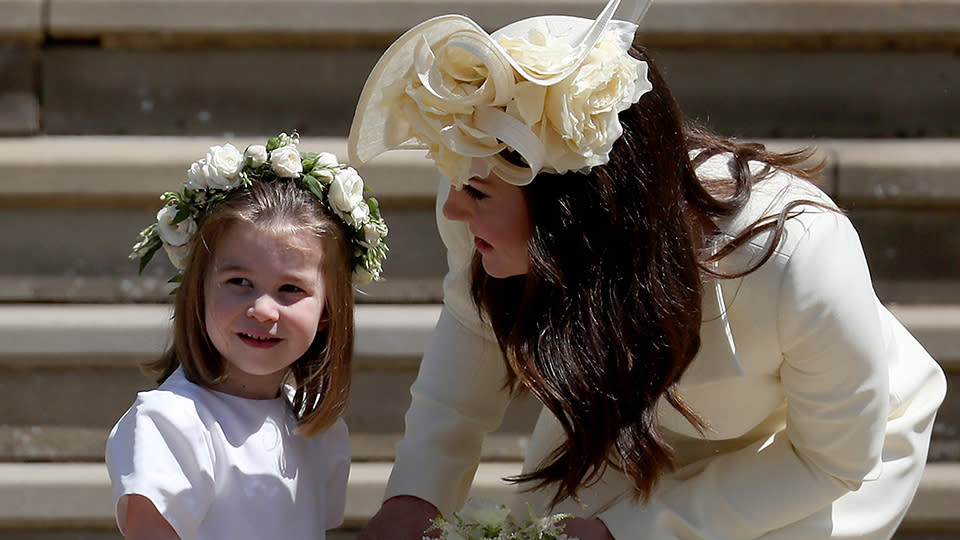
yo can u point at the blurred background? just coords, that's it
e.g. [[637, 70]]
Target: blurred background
[[104, 103]]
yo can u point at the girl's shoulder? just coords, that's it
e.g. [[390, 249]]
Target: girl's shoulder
[[176, 405], [333, 443]]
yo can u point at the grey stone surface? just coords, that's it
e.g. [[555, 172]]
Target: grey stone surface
[[886, 173], [749, 93], [86, 17], [21, 20], [19, 101], [911, 245], [817, 93], [217, 92]]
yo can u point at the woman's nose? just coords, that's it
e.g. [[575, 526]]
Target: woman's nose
[[264, 309], [457, 205]]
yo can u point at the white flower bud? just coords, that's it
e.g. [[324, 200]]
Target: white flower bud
[[256, 155]]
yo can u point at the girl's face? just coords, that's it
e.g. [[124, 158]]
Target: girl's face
[[497, 215], [264, 297]]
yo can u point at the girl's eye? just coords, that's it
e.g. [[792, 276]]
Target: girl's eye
[[239, 282], [474, 193], [290, 289]]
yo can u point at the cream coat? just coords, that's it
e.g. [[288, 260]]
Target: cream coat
[[819, 402]]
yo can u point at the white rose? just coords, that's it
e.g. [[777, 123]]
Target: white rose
[[373, 232], [285, 161], [177, 254], [224, 164], [484, 512], [360, 215], [583, 108], [174, 234], [197, 176], [361, 275], [256, 155], [346, 191], [326, 167]]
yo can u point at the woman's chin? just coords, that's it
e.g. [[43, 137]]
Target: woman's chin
[[502, 271]]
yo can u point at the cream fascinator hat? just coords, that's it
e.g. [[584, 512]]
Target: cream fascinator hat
[[547, 88]]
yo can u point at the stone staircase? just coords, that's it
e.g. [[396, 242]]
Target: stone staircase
[[103, 103]]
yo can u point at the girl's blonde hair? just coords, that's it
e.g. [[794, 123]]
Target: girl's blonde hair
[[321, 377]]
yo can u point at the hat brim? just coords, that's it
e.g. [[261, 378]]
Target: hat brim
[[368, 132]]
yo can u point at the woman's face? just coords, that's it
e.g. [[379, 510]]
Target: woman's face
[[496, 213]]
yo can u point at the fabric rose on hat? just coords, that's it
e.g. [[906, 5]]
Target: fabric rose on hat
[[583, 109]]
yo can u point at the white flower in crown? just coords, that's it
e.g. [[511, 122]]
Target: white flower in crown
[[326, 167], [177, 255], [285, 161], [224, 169], [373, 231], [174, 234], [256, 155], [346, 193], [225, 162]]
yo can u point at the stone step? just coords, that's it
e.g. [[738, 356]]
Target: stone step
[[89, 90], [902, 193], [92, 350], [77, 496], [839, 68], [937, 21]]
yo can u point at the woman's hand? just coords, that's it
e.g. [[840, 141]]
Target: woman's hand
[[403, 517], [586, 529]]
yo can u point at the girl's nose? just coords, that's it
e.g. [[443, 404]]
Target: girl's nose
[[264, 309], [457, 206]]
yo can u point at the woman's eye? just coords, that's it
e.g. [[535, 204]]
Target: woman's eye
[[474, 193]]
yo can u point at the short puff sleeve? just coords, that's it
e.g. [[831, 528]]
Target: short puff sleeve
[[159, 449]]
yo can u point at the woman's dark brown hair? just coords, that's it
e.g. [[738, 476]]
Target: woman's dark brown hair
[[321, 377], [608, 317]]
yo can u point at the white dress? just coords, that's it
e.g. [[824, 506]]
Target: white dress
[[820, 403], [221, 466]]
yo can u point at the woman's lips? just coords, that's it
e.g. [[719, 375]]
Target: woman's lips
[[482, 246], [258, 342]]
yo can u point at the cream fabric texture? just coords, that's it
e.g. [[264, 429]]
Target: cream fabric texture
[[221, 466], [819, 402]]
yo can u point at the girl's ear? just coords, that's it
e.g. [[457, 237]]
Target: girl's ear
[[324, 321]]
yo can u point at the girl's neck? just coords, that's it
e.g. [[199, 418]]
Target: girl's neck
[[247, 387]]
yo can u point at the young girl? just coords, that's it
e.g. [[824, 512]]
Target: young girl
[[695, 315], [243, 438]]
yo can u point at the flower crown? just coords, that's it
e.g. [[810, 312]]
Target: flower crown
[[225, 169], [547, 88]]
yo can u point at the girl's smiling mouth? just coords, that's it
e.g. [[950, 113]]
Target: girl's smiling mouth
[[258, 341]]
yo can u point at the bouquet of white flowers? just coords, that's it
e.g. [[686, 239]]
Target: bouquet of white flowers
[[481, 519]]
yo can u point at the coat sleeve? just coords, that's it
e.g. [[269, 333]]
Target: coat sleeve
[[835, 383], [459, 394]]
